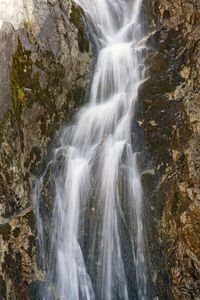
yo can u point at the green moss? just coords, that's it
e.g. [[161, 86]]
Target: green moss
[[76, 19], [2, 288], [28, 25], [175, 203], [19, 77], [20, 95], [5, 231], [25, 75]]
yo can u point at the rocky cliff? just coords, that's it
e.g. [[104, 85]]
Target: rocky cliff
[[170, 122], [45, 62]]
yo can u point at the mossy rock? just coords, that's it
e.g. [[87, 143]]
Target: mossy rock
[[19, 77], [76, 19], [179, 203], [25, 79], [175, 203], [5, 231], [2, 289]]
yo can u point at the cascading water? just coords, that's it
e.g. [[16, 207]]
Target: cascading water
[[96, 246]]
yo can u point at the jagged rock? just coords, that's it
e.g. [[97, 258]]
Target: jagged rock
[[170, 98], [45, 62]]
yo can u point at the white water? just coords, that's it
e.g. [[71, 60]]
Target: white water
[[97, 241]]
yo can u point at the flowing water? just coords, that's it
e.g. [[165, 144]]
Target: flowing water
[[96, 246]]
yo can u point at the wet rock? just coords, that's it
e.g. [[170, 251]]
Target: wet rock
[[170, 99], [46, 61]]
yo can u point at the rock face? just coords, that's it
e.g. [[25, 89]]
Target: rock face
[[45, 64], [170, 122]]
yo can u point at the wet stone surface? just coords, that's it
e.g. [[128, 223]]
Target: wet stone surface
[[168, 118], [46, 60]]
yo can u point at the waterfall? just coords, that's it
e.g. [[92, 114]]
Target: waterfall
[[96, 247]]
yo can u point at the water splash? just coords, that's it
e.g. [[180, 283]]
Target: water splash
[[96, 244]]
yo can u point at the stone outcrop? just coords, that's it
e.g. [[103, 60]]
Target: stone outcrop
[[170, 122], [45, 63]]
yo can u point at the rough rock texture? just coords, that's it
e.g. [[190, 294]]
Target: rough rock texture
[[45, 62], [170, 122]]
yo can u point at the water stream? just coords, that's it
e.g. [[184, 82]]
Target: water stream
[[96, 246]]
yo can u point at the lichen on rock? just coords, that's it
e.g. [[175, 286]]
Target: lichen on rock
[[45, 81], [171, 100]]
